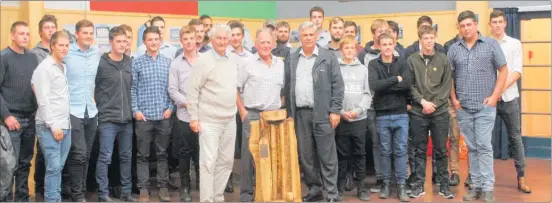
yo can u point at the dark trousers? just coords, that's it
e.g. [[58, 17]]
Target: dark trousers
[[23, 144], [350, 140], [371, 133], [317, 154], [147, 132], [185, 149], [511, 115], [421, 127], [83, 134], [246, 161]]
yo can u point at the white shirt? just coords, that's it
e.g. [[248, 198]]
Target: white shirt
[[514, 58]]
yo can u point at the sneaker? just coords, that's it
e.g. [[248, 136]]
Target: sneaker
[[377, 188], [164, 195], [144, 195], [128, 197], [417, 191], [105, 199], [488, 196], [473, 194], [385, 191], [185, 195], [445, 192], [401, 193], [454, 179], [363, 195], [468, 181]]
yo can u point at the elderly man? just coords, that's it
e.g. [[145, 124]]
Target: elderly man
[[212, 107], [316, 89], [260, 81]]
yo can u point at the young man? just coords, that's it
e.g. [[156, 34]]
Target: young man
[[432, 82], [477, 90], [317, 17], [152, 109], [53, 122], [212, 105], [351, 132], [200, 35], [508, 106], [350, 29], [17, 105], [390, 81], [416, 46], [372, 48], [82, 65], [128, 32], [316, 115], [336, 32], [207, 24], [186, 146], [394, 29], [165, 49], [283, 30], [260, 82], [115, 114]]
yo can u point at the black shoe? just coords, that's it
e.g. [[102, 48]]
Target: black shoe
[[445, 192], [313, 198], [488, 196], [435, 179], [473, 194], [229, 186], [377, 187], [468, 181], [185, 195], [172, 184], [454, 179], [363, 195], [417, 191], [401, 193], [333, 200], [349, 183], [128, 197], [105, 199], [385, 191]]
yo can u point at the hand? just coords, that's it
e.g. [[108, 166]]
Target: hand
[[353, 115], [58, 134], [183, 105], [346, 116], [334, 120], [428, 107], [139, 116], [194, 125], [456, 104], [399, 78], [490, 101], [243, 115], [12, 123], [408, 107], [167, 114]]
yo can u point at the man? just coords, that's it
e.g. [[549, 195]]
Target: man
[[278, 49], [415, 46], [18, 106], [390, 81], [53, 122], [317, 17], [336, 32], [212, 105], [350, 134], [508, 106], [186, 146], [477, 90], [283, 30], [47, 26], [128, 32], [430, 93], [200, 35], [372, 48], [82, 65], [152, 109], [165, 49], [207, 24], [350, 29], [313, 71], [394, 28], [115, 114], [260, 82]]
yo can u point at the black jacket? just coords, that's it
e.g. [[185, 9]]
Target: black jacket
[[390, 95], [112, 91], [450, 43], [415, 47]]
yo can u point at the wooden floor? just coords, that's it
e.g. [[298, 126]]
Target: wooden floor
[[537, 175]]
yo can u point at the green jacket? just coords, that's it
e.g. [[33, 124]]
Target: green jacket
[[431, 80]]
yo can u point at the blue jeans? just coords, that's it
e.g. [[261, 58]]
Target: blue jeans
[[108, 133], [55, 154], [393, 135], [477, 128]]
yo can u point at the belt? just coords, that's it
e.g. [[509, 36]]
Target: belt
[[303, 108]]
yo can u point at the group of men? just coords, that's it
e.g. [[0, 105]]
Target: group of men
[[202, 97]]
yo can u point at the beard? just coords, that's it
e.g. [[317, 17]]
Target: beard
[[336, 39]]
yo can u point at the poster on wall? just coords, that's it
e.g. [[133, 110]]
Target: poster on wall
[[102, 36], [400, 34], [358, 34], [174, 37], [436, 28], [70, 29], [294, 36]]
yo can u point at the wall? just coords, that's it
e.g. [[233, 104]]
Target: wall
[[505, 4], [239, 9]]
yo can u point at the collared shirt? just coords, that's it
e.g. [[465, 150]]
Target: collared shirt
[[180, 71], [304, 82], [149, 91], [324, 38], [261, 84], [475, 70], [40, 51], [201, 49], [52, 94], [336, 52], [82, 67], [243, 54], [514, 57], [165, 49]]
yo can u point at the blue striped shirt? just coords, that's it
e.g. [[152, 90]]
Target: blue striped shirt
[[149, 91]]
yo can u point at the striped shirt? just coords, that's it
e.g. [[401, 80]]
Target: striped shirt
[[261, 84], [178, 83], [475, 70], [149, 90]]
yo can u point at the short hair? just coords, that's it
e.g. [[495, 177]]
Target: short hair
[[57, 35], [424, 19], [219, 27], [204, 16], [151, 29], [425, 29], [47, 18], [116, 31], [316, 9], [155, 19], [496, 13], [267, 30], [283, 24], [393, 25], [187, 29], [349, 24], [386, 35], [236, 24], [307, 24], [195, 21], [347, 40], [83, 23], [18, 23], [125, 28], [465, 15], [335, 20], [378, 23]]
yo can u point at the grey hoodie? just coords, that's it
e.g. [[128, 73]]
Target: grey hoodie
[[357, 97]]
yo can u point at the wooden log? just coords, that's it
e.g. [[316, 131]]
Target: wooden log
[[294, 164], [284, 167], [254, 136], [265, 166], [274, 157]]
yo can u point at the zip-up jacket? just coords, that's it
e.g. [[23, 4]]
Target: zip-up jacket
[[372, 54], [431, 80], [389, 94], [112, 91]]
